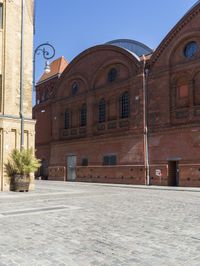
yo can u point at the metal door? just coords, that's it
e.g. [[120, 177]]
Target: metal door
[[71, 168]]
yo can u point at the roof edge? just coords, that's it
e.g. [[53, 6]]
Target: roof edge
[[175, 30], [47, 79]]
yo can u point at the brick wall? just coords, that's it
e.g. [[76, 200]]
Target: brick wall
[[173, 117], [57, 173], [112, 174], [159, 174], [189, 175]]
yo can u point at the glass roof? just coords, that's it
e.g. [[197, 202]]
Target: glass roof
[[135, 47]]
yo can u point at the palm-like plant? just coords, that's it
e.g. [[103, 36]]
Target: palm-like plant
[[22, 162]]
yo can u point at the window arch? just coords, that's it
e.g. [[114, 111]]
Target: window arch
[[83, 115], [124, 103], [67, 119], [102, 111]]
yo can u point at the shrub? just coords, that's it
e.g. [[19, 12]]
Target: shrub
[[21, 162]]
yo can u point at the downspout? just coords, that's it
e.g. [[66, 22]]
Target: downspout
[[145, 123], [22, 77], [3, 91]]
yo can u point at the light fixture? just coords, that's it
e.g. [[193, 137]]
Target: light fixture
[[137, 97], [47, 68], [48, 52]]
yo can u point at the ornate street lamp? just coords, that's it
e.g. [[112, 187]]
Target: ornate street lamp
[[48, 52]]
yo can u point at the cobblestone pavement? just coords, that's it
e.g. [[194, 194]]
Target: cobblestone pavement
[[93, 224]]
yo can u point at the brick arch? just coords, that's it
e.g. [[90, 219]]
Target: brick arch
[[176, 53], [180, 78], [186, 24], [65, 87], [124, 69], [93, 58]]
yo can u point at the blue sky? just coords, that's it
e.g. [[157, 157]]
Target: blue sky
[[74, 25]]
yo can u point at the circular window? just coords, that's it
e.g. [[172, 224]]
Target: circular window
[[112, 75], [74, 88], [191, 49]]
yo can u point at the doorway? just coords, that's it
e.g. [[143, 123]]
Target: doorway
[[173, 173], [44, 169], [71, 168]]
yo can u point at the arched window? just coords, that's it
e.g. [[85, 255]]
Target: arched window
[[83, 115], [112, 74], [102, 111], [124, 105], [74, 88], [67, 119]]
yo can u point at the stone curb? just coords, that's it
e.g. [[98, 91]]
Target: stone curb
[[167, 188]]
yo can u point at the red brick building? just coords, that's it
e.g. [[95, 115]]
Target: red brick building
[[92, 126]]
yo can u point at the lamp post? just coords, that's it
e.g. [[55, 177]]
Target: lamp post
[[48, 52]]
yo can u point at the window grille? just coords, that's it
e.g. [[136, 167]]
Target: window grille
[[124, 105], [67, 119], [110, 160], [102, 111], [83, 115]]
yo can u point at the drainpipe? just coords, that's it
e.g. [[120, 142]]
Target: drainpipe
[[22, 77], [145, 122]]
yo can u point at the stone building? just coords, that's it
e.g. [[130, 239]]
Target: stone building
[[10, 62], [92, 127]]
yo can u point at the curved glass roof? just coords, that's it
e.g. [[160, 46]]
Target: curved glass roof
[[135, 47], [197, 3]]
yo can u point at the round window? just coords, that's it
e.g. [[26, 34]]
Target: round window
[[191, 49]]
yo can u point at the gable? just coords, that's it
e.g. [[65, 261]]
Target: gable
[[186, 30], [92, 67]]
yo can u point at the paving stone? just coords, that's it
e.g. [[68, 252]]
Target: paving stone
[[99, 225]]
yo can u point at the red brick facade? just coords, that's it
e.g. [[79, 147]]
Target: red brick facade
[[96, 113]]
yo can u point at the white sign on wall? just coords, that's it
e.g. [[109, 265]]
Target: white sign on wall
[[158, 172]]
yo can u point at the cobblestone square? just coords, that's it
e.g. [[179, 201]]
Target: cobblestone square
[[95, 224]]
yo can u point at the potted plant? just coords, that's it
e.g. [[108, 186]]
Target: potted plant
[[20, 165]]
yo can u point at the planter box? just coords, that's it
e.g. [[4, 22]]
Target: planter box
[[21, 183]]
